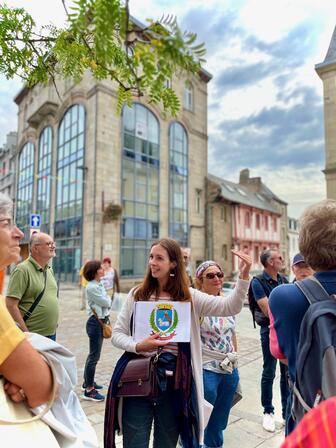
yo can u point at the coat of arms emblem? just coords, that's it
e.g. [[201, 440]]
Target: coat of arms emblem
[[164, 320]]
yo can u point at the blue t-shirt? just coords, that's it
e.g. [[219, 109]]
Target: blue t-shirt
[[288, 306]]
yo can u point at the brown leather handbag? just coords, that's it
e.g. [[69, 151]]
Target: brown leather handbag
[[105, 325], [139, 378]]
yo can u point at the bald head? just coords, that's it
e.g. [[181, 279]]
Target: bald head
[[42, 248]]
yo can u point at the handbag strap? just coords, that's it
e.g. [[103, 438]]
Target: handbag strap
[[99, 320], [37, 300], [47, 407]]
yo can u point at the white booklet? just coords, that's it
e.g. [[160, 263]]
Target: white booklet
[[170, 319]]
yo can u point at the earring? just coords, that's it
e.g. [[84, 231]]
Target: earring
[[172, 274]]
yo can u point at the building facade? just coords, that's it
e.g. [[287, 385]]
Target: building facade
[[293, 239], [239, 219], [255, 184], [326, 70], [110, 185], [8, 165]]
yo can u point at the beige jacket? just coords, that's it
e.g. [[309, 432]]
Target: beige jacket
[[202, 305]]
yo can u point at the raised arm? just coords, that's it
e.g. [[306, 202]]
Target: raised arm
[[207, 305]]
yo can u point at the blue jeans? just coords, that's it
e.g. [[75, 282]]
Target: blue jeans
[[52, 337], [137, 417], [219, 390], [268, 375], [95, 333]]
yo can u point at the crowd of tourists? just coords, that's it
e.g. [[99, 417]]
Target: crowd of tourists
[[178, 376]]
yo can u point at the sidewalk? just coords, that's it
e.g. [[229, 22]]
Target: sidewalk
[[244, 429]]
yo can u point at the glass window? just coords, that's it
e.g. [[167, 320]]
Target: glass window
[[69, 192], [188, 100], [198, 201], [178, 179], [258, 221], [44, 178], [25, 188], [140, 175]]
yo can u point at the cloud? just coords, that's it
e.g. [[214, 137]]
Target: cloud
[[274, 137], [212, 27], [8, 109], [275, 59]]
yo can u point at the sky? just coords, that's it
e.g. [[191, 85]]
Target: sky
[[265, 100]]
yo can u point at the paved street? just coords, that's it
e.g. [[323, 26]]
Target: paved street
[[244, 427]]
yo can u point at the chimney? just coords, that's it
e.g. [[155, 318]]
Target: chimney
[[244, 176]]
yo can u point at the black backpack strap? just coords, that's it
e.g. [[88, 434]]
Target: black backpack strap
[[37, 300], [312, 289]]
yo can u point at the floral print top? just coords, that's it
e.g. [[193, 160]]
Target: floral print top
[[216, 335]]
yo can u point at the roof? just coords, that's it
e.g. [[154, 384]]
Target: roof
[[330, 57], [270, 195], [238, 194]]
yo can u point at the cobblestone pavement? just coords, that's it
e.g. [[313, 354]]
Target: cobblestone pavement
[[244, 427]]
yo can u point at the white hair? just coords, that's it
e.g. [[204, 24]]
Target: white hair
[[6, 205]]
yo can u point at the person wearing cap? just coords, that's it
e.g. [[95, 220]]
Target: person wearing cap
[[111, 278], [300, 268], [219, 357]]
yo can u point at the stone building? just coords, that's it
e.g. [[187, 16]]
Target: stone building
[[327, 72], [8, 165], [238, 218], [109, 185]]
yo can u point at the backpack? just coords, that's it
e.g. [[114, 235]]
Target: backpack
[[316, 357], [257, 315]]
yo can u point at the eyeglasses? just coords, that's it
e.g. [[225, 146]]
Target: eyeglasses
[[212, 275], [49, 244]]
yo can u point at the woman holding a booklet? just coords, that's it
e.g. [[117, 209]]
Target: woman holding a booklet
[[177, 408], [219, 351]]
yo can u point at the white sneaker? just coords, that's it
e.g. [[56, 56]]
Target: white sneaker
[[268, 422]]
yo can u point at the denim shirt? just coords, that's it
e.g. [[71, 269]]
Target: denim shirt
[[97, 299]]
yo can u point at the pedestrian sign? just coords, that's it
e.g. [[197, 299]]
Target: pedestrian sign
[[35, 221]]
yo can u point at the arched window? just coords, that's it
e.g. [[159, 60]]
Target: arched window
[[178, 183], [69, 194], [140, 188], [44, 178], [25, 188], [188, 100]]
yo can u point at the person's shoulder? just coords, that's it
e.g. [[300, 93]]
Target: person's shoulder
[[21, 268], [286, 293], [92, 285]]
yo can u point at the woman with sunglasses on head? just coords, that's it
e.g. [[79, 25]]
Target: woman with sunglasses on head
[[177, 410], [219, 352]]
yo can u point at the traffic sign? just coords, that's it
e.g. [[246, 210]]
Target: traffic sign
[[35, 221]]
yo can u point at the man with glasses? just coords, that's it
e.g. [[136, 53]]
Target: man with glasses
[[262, 286], [32, 290]]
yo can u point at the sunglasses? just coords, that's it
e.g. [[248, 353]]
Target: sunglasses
[[212, 275]]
